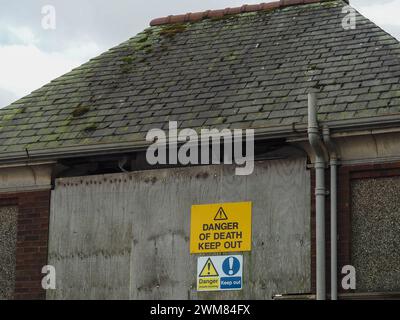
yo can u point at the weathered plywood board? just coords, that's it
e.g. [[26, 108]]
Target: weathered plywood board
[[126, 236]]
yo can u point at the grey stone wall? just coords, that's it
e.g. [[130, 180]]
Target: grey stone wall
[[8, 239], [376, 234]]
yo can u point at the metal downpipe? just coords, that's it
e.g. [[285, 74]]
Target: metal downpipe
[[320, 192], [333, 192]]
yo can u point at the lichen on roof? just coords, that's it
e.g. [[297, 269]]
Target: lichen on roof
[[250, 70]]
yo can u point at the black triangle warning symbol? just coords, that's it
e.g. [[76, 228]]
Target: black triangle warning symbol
[[221, 215], [209, 270]]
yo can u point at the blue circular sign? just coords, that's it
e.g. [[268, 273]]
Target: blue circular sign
[[231, 266]]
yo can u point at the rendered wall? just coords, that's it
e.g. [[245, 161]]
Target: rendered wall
[[8, 241], [126, 235], [375, 233]]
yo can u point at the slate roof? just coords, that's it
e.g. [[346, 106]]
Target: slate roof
[[243, 70]]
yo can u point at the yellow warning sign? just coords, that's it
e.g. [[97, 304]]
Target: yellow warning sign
[[209, 270], [220, 227]]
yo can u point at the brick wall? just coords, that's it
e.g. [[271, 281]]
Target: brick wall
[[345, 175], [32, 241]]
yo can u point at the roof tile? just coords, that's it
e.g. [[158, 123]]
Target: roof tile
[[250, 70]]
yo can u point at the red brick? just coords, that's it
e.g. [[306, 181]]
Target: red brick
[[196, 16], [32, 241]]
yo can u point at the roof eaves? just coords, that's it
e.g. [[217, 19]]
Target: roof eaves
[[295, 130]]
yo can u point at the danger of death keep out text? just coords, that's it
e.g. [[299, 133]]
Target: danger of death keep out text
[[213, 232]]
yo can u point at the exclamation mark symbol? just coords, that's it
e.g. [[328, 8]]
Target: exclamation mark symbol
[[208, 268], [230, 265]]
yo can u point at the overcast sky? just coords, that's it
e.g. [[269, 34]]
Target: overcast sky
[[31, 56]]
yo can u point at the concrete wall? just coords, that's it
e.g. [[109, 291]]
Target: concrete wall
[[126, 235], [25, 178]]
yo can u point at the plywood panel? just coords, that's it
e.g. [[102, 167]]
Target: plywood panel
[[126, 235]]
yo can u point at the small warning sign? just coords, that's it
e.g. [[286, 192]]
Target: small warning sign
[[208, 270], [221, 215], [226, 273], [221, 227]]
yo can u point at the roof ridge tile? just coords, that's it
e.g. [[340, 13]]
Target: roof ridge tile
[[197, 16]]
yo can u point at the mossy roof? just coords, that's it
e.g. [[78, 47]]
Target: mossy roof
[[249, 70]]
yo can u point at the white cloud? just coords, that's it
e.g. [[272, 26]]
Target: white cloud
[[22, 35], [30, 56], [382, 13], [6, 97], [25, 68], [82, 51]]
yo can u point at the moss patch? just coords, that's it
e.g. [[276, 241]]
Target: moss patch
[[224, 17], [22, 110], [127, 63], [329, 4], [80, 111], [171, 30], [140, 47], [90, 128], [8, 117], [128, 59], [231, 57], [143, 39]]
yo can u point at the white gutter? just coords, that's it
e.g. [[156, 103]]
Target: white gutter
[[330, 145], [320, 193]]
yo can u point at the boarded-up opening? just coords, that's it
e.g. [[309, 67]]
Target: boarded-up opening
[[8, 239], [375, 239], [126, 236]]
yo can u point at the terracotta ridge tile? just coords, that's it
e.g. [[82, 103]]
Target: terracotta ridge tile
[[197, 16]]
